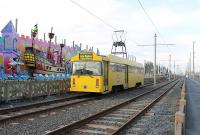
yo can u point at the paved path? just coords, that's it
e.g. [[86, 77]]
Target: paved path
[[193, 107]]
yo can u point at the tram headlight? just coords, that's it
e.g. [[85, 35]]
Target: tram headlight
[[74, 81], [97, 82]]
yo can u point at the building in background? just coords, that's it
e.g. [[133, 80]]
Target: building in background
[[12, 49]]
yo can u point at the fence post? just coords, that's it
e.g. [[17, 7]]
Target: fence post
[[48, 87], [6, 93], [29, 89], [179, 120], [180, 115], [182, 104]]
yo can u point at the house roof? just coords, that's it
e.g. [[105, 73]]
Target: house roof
[[9, 28]]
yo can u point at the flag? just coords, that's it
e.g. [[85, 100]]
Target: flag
[[35, 29]]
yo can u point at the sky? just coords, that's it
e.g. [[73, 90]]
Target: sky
[[177, 22]]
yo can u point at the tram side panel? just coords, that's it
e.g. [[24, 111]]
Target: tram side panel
[[116, 75], [132, 77], [141, 76], [135, 75]]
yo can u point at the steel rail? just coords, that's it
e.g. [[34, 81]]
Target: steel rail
[[38, 104], [67, 128], [140, 113], [49, 108], [46, 103]]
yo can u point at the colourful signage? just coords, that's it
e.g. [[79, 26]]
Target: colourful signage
[[85, 56]]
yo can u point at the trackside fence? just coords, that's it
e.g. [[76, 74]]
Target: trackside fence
[[23, 89], [180, 114]]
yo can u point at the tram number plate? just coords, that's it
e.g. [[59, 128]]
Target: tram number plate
[[85, 56]]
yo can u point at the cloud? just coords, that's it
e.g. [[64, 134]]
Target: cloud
[[176, 24]]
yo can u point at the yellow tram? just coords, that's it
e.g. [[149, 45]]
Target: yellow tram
[[103, 74]]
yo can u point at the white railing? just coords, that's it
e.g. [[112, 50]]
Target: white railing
[[180, 115], [14, 90]]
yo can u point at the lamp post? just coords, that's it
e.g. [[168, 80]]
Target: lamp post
[[51, 35], [33, 34], [33, 37], [61, 46]]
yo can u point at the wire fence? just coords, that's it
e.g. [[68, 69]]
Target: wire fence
[[23, 89]]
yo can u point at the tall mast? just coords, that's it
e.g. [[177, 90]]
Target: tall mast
[[51, 36]]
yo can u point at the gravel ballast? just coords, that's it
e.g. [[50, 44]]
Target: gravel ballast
[[39, 124], [160, 118]]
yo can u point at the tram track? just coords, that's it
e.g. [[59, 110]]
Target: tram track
[[29, 114], [25, 110], [143, 111], [89, 126], [42, 107], [37, 104], [65, 115]]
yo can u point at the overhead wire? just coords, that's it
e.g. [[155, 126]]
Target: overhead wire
[[148, 16], [152, 22], [88, 11], [97, 17]]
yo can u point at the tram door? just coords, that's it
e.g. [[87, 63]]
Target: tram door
[[105, 63], [126, 76]]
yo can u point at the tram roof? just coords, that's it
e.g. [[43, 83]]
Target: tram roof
[[120, 60], [111, 58]]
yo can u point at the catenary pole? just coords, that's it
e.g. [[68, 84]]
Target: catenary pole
[[174, 70], [193, 59], [154, 69], [155, 46], [169, 67], [190, 65]]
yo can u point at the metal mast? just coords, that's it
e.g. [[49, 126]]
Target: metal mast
[[155, 46], [51, 36], [119, 42]]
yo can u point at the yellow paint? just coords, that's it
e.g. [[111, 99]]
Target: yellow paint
[[115, 78], [95, 57], [87, 84]]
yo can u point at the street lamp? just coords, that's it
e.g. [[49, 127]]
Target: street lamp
[[61, 46], [51, 35], [33, 37]]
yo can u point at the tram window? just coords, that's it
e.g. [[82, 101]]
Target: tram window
[[131, 69], [136, 69], [113, 67], [87, 68], [117, 67], [123, 68]]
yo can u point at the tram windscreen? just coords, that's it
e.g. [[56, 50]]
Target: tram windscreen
[[87, 68]]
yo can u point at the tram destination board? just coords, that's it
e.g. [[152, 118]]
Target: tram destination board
[[86, 56]]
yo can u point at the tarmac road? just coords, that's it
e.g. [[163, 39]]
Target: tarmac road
[[193, 107]]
